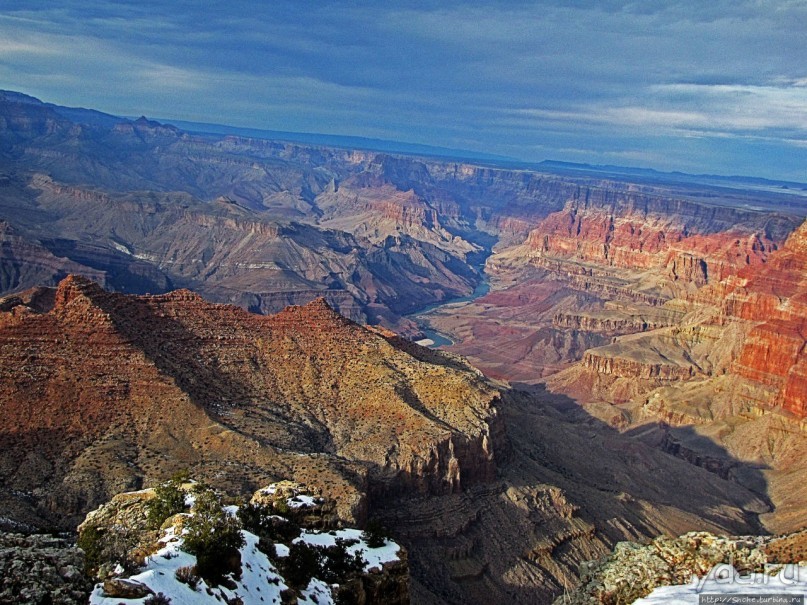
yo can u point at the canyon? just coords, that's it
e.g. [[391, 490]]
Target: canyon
[[680, 329], [483, 484], [626, 359]]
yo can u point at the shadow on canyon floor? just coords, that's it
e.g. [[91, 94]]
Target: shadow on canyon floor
[[661, 442], [569, 488]]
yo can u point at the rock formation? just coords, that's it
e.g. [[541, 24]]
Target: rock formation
[[264, 224], [673, 312], [131, 559], [485, 487], [41, 569], [632, 571], [119, 384]]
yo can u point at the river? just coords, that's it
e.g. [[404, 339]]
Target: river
[[434, 339]]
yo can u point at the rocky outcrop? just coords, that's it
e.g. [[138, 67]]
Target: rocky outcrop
[[632, 571], [384, 235], [25, 262], [750, 325], [374, 208], [639, 233], [121, 588], [301, 504], [37, 569], [606, 285], [520, 539], [602, 361], [794, 393], [775, 352], [386, 585], [234, 254], [721, 466], [140, 386], [305, 390], [771, 350], [130, 559], [613, 323], [688, 268]]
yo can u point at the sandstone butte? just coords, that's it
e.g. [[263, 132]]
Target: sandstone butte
[[681, 327], [92, 379], [639, 288], [751, 324], [497, 494]]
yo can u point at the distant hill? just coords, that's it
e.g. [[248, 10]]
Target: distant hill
[[656, 176], [100, 119], [335, 140]]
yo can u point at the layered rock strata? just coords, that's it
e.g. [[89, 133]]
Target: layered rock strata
[[103, 391]]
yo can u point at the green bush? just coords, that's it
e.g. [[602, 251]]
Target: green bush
[[181, 476], [263, 521], [108, 547], [375, 534], [91, 542], [303, 563], [338, 564], [282, 508], [331, 564], [213, 537], [256, 518], [169, 500]]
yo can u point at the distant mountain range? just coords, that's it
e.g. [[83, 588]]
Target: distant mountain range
[[98, 118], [736, 181]]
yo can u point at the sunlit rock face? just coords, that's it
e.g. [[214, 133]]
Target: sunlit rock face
[[172, 375]]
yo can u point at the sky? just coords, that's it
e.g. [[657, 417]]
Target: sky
[[717, 86]]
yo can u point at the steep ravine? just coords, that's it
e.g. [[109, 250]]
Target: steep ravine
[[497, 494]]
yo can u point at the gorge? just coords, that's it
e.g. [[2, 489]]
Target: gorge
[[625, 354]]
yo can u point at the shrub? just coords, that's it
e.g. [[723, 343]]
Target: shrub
[[282, 508], [346, 596], [214, 537], [157, 599], [187, 575], [169, 500], [90, 541], [331, 564], [263, 521], [108, 547], [256, 518], [338, 564], [181, 476], [303, 563], [267, 547], [375, 534]]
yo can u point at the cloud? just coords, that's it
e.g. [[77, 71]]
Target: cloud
[[531, 79]]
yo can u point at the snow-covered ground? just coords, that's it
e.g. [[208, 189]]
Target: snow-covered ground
[[259, 578], [724, 580], [260, 583], [301, 501], [375, 557]]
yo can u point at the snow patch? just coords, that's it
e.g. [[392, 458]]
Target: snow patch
[[316, 593], [260, 583], [301, 501], [725, 580], [375, 557]]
